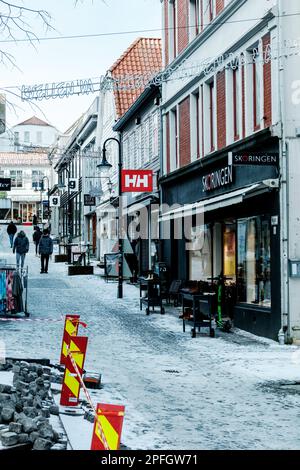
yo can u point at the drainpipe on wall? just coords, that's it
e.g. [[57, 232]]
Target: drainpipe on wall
[[284, 201]]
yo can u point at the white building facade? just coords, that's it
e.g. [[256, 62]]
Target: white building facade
[[30, 174], [34, 133]]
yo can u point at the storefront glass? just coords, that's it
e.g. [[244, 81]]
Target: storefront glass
[[200, 257], [254, 261], [229, 253]]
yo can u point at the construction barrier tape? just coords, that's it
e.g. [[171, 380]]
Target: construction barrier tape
[[102, 435], [48, 320]]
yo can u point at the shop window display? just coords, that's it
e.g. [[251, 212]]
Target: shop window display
[[254, 261], [200, 256]]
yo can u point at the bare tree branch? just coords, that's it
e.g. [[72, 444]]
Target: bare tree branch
[[16, 19]]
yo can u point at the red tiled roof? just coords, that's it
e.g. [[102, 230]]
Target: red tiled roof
[[142, 57], [33, 121]]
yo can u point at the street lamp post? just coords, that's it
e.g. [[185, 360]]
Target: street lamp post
[[48, 197], [105, 166]]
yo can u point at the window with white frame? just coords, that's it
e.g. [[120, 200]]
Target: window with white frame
[[256, 87], [155, 136], [173, 29], [146, 141], [16, 178], [37, 179], [138, 136], [16, 137], [212, 114], [195, 125], [195, 18], [39, 137], [27, 137], [174, 139], [236, 92]]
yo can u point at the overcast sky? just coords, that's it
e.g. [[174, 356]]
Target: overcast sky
[[70, 59]]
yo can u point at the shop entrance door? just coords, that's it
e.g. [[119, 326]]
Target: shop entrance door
[[26, 211]]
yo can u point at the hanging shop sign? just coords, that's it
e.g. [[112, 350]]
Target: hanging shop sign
[[249, 158], [89, 200], [73, 184], [218, 179], [5, 184], [137, 181], [55, 201]]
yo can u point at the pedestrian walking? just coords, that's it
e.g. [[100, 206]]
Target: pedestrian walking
[[34, 220], [45, 250], [21, 247], [11, 230], [37, 234]]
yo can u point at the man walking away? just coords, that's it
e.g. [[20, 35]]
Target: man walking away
[[45, 250], [36, 238], [11, 230], [34, 220], [21, 247]]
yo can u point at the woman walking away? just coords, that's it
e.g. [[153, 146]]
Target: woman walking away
[[45, 250], [11, 230], [36, 238], [21, 247]]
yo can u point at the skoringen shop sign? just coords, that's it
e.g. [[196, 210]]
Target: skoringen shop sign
[[259, 159]]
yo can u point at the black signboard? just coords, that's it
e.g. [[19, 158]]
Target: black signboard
[[5, 184], [260, 159], [89, 200]]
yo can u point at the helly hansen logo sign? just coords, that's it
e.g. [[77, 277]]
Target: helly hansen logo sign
[[134, 181]]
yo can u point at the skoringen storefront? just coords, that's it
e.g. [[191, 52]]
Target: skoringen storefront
[[240, 237]]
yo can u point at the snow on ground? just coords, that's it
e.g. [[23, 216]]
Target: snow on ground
[[179, 392]]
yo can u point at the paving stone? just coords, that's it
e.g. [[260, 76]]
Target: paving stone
[[45, 412], [30, 411], [54, 410], [4, 397], [33, 436], [42, 444], [5, 388], [7, 414], [15, 427], [59, 447], [47, 432], [23, 438], [28, 425], [9, 439]]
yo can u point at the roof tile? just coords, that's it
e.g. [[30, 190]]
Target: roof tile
[[142, 57]]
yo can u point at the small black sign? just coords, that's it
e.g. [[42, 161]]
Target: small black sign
[[5, 184], [89, 200], [260, 159]]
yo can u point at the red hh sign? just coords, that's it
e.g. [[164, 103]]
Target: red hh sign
[[71, 384], [108, 427], [134, 181]]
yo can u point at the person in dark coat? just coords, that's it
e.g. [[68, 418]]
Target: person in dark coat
[[11, 230], [36, 238], [45, 250], [21, 247], [34, 220]]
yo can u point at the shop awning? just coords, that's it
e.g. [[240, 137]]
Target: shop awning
[[218, 202]]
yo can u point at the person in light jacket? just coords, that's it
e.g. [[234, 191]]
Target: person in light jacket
[[45, 250], [21, 247]]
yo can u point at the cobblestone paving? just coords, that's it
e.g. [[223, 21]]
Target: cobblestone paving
[[179, 392]]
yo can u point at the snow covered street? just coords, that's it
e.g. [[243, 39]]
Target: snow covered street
[[179, 392]]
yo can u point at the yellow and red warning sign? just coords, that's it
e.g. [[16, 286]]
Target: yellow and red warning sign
[[72, 323], [108, 427], [73, 371]]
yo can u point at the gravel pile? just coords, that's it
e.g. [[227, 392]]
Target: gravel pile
[[25, 409]]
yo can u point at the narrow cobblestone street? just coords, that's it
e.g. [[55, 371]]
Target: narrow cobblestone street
[[179, 392]]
